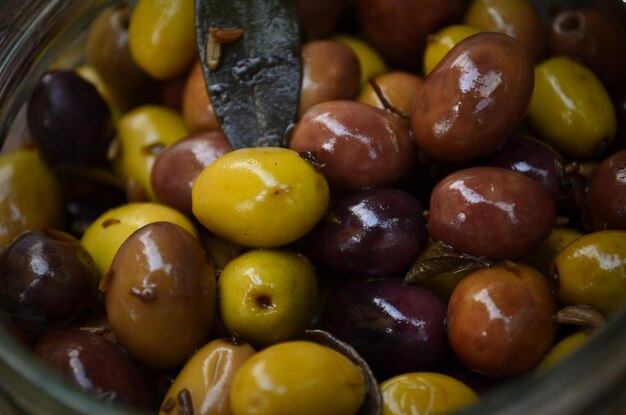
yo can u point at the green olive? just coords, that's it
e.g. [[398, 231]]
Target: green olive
[[30, 197], [592, 271], [542, 257]]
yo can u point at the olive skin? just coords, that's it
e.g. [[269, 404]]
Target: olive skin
[[69, 121], [474, 99], [397, 29], [197, 108], [177, 166], [491, 212], [606, 197], [500, 319], [47, 279], [358, 145], [96, 365], [373, 233], [330, 71], [397, 87], [160, 295]]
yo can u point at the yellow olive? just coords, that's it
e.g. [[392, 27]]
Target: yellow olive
[[542, 257], [425, 393], [592, 271], [219, 250], [107, 233], [260, 197], [398, 88], [204, 382], [29, 195], [160, 295], [298, 377], [267, 295], [439, 44], [562, 350], [142, 134], [162, 37], [571, 109], [372, 64]]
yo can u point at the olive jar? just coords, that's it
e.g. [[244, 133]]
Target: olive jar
[[34, 33]]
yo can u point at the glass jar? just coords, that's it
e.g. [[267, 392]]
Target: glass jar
[[33, 34]]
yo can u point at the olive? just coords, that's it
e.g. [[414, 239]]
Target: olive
[[47, 279], [370, 61], [162, 38], [142, 134], [160, 295], [534, 159], [587, 36], [177, 166], [196, 106], [440, 43], [398, 28], [490, 211], [372, 233], [592, 271], [96, 365], [570, 108], [425, 393], [562, 350], [69, 121], [205, 381], [260, 196], [298, 377], [330, 71], [108, 53], [474, 99], [500, 319], [542, 257], [398, 90], [606, 199], [30, 197], [516, 18], [358, 146]]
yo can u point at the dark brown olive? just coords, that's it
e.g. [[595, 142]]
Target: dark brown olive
[[491, 212], [107, 51], [47, 279], [373, 233], [587, 36], [397, 29], [500, 319], [359, 146], [534, 159], [606, 200], [474, 99], [69, 121], [197, 107], [160, 295], [330, 71], [318, 18], [96, 365], [177, 166]]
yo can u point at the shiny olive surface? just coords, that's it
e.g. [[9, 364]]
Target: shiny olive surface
[[396, 328], [160, 295], [96, 365], [358, 145], [330, 71], [490, 211], [397, 29], [606, 198], [373, 233], [534, 159], [474, 99], [69, 121], [177, 166], [47, 278], [500, 319]]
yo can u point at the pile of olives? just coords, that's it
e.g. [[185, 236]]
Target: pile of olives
[[449, 212]]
